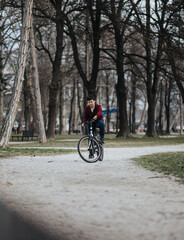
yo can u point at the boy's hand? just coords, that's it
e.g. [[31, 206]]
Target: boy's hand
[[95, 118], [82, 124]]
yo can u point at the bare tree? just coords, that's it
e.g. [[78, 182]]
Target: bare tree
[[10, 117], [8, 38], [114, 10], [42, 135], [93, 32]]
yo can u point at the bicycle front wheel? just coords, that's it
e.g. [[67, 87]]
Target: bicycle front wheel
[[89, 149], [102, 153]]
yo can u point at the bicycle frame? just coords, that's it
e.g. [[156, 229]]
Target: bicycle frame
[[90, 129], [90, 133]]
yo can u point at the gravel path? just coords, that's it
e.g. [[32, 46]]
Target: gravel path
[[109, 200]]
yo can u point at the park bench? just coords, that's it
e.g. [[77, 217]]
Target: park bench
[[76, 131], [26, 136]]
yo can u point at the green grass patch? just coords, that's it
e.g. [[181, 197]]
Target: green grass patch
[[12, 152], [171, 163], [141, 140], [110, 141]]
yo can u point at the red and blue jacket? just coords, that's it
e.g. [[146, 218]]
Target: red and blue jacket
[[88, 115]]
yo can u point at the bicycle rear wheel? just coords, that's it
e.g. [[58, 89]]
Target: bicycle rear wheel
[[89, 149]]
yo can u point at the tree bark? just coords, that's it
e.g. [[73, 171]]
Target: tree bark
[[181, 116], [10, 117], [107, 102], [1, 79], [71, 108], [121, 89], [143, 115], [167, 104], [1, 109], [1, 67], [27, 99], [152, 82], [53, 91], [175, 120], [41, 129], [79, 101], [133, 99], [75, 110], [161, 109], [62, 109], [151, 98]]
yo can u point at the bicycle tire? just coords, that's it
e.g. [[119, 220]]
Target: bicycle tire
[[84, 151], [102, 153]]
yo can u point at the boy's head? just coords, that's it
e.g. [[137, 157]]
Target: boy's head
[[91, 101]]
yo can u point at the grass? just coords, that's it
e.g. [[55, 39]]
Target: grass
[[111, 141], [167, 163], [12, 152]]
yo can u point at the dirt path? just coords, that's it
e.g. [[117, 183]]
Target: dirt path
[[109, 200]]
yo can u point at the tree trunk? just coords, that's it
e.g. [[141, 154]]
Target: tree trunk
[[181, 116], [143, 115], [175, 120], [56, 73], [130, 115], [133, 99], [1, 83], [122, 114], [161, 109], [41, 129], [1, 68], [71, 108], [19, 128], [152, 82], [10, 117], [164, 120], [107, 102], [151, 99], [151, 123], [79, 101], [121, 89], [27, 99], [1, 109], [167, 104], [75, 110], [62, 110]]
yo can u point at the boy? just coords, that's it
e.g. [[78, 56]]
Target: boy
[[93, 110]]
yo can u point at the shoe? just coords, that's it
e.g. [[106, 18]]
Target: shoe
[[102, 140], [91, 155]]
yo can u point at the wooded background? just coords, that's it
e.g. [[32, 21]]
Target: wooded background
[[128, 54]]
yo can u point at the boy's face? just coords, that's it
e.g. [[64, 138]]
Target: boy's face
[[91, 103]]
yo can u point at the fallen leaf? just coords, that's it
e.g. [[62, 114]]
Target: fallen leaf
[[9, 183]]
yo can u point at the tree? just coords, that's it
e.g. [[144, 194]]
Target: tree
[[53, 12], [1, 65], [153, 30], [42, 135], [10, 117], [119, 15], [8, 38], [92, 28]]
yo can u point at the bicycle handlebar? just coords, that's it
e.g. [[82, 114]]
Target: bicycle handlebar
[[91, 121]]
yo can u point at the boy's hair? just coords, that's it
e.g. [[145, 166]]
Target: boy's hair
[[90, 97]]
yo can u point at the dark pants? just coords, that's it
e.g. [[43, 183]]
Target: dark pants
[[99, 124]]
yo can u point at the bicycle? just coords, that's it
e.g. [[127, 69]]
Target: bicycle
[[90, 147]]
